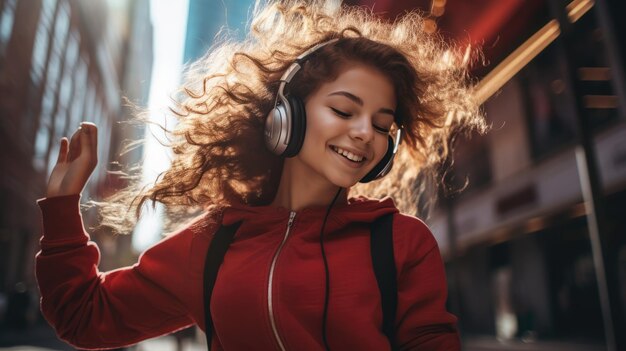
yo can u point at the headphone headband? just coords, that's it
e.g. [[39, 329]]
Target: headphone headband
[[295, 67]]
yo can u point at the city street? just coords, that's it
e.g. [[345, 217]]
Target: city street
[[42, 338], [135, 132]]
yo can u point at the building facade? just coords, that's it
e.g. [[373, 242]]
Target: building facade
[[61, 62], [517, 241]]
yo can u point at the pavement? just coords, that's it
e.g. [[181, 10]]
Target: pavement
[[166, 343], [42, 338], [489, 343], [38, 337]]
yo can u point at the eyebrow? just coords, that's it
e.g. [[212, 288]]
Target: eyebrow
[[359, 101]]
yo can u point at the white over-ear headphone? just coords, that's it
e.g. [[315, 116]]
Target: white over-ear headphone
[[285, 125]]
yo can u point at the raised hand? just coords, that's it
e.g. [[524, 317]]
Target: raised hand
[[77, 160]]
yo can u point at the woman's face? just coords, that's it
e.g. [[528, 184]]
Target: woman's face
[[348, 122]]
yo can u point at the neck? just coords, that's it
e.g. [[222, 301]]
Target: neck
[[297, 190]]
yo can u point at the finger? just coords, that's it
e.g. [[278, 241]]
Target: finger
[[63, 151], [90, 141], [74, 147], [88, 124], [85, 143], [94, 141]]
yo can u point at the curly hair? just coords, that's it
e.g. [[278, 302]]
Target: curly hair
[[219, 153]]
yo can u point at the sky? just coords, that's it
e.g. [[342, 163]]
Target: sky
[[169, 20]]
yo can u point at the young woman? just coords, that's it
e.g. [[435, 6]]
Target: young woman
[[273, 135]]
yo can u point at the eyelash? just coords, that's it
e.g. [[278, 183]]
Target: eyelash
[[346, 115]]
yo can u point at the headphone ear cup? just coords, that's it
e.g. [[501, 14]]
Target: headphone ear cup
[[298, 126], [376, 172], [274, 132]]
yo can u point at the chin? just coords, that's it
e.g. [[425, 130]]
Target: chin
[[343, 181]]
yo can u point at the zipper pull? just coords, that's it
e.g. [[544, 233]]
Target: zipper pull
[[292, 215]]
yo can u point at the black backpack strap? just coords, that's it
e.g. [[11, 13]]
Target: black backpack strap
[[215, 255], [384, 264]]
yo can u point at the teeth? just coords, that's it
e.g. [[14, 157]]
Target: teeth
[[348, 154]]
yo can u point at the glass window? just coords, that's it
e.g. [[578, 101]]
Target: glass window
[[89, 103], [41, 147], [46, 127], [588, 55], [42, 137], [549, 104], [97, 113], [78, 100], [617, 9], [71, 56], [7, 18], [67, 85], [41, 40], [52, 158], [60, 121], [62, 25], [60, 37]]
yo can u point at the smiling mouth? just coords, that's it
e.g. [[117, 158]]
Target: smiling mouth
[[348, 155]]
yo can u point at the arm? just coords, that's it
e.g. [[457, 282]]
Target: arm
[[91, 309], [423, 322]]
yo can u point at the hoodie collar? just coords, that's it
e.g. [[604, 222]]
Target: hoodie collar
[[358, 209]]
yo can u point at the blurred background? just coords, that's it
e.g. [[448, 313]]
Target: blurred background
[[534, 246]]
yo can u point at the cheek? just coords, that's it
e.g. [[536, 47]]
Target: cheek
[[319, 126], [381, 147], [313, 137]]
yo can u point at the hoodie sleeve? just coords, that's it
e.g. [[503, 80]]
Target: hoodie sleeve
[[94, 310], [422, 320]]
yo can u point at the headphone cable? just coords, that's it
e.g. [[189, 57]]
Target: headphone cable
[[327, 287]]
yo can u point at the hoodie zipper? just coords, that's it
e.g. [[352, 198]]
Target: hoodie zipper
[[270, 304]]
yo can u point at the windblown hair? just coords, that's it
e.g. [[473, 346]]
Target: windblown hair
[[219, 153]]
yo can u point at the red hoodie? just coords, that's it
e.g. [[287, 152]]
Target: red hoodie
[[267, 294]]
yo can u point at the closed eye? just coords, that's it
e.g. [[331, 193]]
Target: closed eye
[[340, 113], [382, 130], [346, 115]]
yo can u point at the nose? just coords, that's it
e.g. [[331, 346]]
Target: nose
[[362, 129]]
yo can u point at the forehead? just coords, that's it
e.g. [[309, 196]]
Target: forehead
[[364, 81]]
